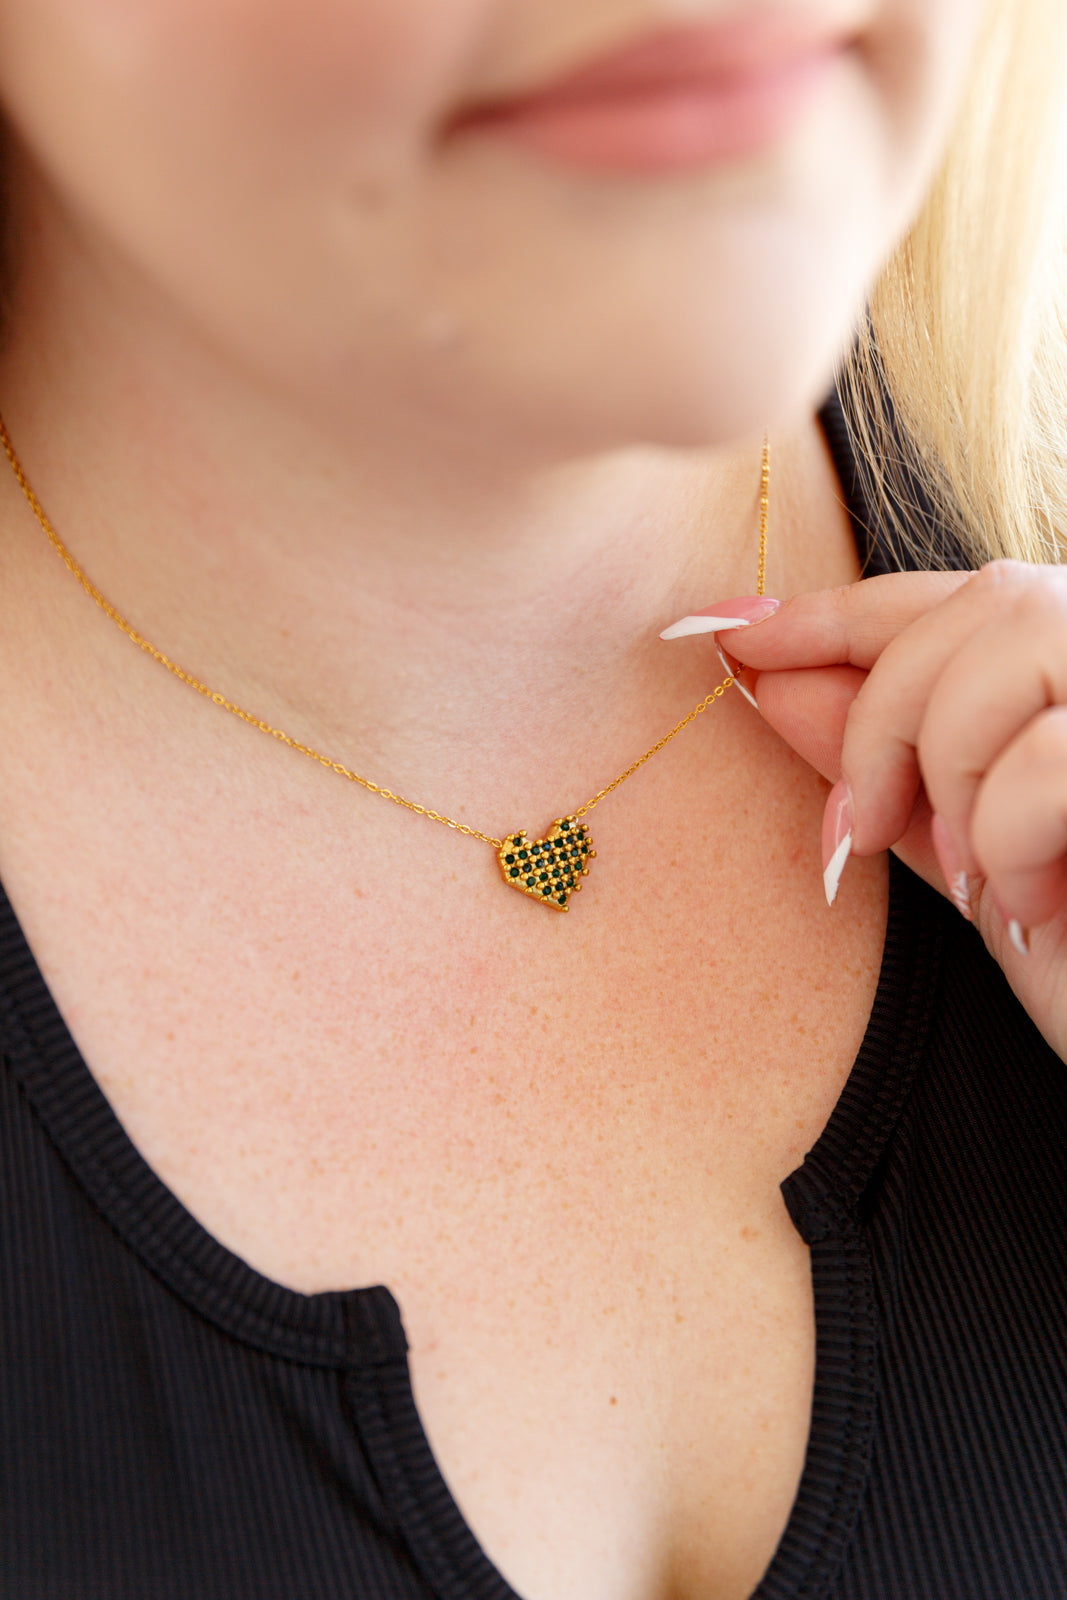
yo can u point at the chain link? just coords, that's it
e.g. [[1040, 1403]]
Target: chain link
[[728, 683], [341, 770], [716, 694], [764, 516]]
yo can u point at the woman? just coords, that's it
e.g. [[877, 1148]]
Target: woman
[[400, 370]]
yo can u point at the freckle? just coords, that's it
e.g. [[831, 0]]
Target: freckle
[[749, 1233], [678, 1317], [442, 331], [613, 1401], [370, 193]]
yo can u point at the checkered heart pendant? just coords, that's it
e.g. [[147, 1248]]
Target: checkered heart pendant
[[548, 869]]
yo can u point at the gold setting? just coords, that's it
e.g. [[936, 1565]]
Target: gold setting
[[550, 869]]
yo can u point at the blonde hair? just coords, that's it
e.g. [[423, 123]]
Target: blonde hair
[[956, 391]]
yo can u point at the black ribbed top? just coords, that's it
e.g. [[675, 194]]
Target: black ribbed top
[[175, 1427]]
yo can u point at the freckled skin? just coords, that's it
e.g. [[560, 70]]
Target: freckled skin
[[414, 439]]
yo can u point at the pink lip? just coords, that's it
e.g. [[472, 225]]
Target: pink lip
[[684, 98]]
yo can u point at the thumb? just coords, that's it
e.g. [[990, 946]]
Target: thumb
[[808, 708]]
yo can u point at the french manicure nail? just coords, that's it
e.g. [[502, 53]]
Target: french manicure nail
[[1019, 937], [952, 869], [741, 613], [732, 672], [837, 825]]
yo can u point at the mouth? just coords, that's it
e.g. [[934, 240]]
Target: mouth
[[675, 99]]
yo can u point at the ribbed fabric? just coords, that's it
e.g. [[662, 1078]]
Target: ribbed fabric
[[175, 1427]]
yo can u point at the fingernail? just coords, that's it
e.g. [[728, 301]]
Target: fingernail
[[1019, 937], [740, 613], [732, 672], [952, 869], [837, 824]]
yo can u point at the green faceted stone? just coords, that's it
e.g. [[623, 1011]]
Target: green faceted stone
[[531, 883], [514, 873]]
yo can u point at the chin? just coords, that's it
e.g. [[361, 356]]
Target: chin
[[689, 387], [682, 313]]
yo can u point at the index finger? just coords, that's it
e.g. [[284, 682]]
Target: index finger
[[850, 626]]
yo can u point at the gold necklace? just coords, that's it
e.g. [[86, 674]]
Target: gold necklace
[[548, 869]]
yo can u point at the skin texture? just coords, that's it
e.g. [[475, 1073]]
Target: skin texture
[[943, 696], [346, 375], [405, 265], [413, 443]]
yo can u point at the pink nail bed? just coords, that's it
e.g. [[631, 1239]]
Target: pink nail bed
[[740, 613]]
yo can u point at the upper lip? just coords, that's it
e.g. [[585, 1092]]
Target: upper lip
[[731, 47]]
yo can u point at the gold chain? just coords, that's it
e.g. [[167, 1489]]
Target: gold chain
[[341, 770]]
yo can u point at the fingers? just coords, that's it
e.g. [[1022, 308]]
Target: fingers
[[946, 697], [991, 696], [849, 626], [936, 693], [810, 710], [905, 628], [1019, 827]]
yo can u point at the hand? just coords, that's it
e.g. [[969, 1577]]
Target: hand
[[937, 704]]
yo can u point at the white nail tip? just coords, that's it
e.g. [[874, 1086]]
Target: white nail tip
[[1017, 935], [731, 672], [691, 625], [960, 890], [831, 878]]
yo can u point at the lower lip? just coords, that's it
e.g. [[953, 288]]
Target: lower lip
[[664, 129]]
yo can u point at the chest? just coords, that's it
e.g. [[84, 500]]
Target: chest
[[559, 1143]]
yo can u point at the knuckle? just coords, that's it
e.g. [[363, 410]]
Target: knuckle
[[864, 716], [1002, 580], [840, 603], [1021, 587]]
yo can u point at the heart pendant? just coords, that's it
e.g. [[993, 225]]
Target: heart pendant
[[548, 869]]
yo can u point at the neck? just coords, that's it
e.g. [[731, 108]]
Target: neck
[[373, 590]]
